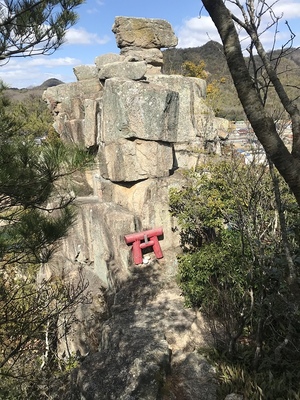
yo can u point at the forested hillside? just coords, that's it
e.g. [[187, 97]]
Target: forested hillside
[[15, 94], [212, 54]]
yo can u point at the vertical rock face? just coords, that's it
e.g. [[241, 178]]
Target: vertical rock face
[[195, 119], [137, 110], [145, 127], [130, 161]]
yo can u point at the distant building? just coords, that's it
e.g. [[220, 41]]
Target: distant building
[[257, 156]]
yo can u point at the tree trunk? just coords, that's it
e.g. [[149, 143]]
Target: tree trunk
[[292, 277]]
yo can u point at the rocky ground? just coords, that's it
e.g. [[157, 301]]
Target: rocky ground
[[148, 345]]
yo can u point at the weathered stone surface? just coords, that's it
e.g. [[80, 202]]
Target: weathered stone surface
[[109, 58], [84, 72], [89, 315], [149, 201], [195, 118], [87, 89], [123, 69], [188, 155], [150, 56], [234, 396], [135, 358], [152, 70], [192, 378], [82, 259], [145, 130], [130, 161], [67, 105], [100, 245], [73, 130], [139, 110], [143, 32], [69, 108], [92, 122]]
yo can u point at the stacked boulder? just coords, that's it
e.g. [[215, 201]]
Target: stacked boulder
[[141, 40], [144, 129]]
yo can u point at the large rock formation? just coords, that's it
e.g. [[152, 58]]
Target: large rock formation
[[144, 128]]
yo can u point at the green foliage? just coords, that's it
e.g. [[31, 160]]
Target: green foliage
[[26, 309], [193, 70], [36, 212], [219, 269], [33, 117], [239, 276], [30, 28], [226, 103], [280, 381]]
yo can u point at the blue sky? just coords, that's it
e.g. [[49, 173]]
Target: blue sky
[[92, 35]]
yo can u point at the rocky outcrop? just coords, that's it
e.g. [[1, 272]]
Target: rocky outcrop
[[144, 129]]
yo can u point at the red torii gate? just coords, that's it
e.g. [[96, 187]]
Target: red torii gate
[[142, 240]]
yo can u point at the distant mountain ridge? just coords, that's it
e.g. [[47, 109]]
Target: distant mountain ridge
[[15, 94], [211, 53], [50, 83], [213, 56]]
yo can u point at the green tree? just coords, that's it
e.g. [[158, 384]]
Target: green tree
[[33, 117], [195, 70], [254, 84], [235, 265], [32, 27], [36, 211]]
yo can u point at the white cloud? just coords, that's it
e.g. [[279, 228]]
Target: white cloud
[[34, 71], [285, 10], [288, 9], [46, 62], [22, 78], [196, 32], [52, 63], [92, 11], [81, 36], [95, 10]]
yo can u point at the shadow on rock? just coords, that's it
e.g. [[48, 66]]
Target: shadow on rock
[[148, 345]]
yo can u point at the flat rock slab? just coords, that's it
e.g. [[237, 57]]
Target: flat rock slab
[[123, 69], [105, 59], [144, 33], [84, 72], [194, 116]]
